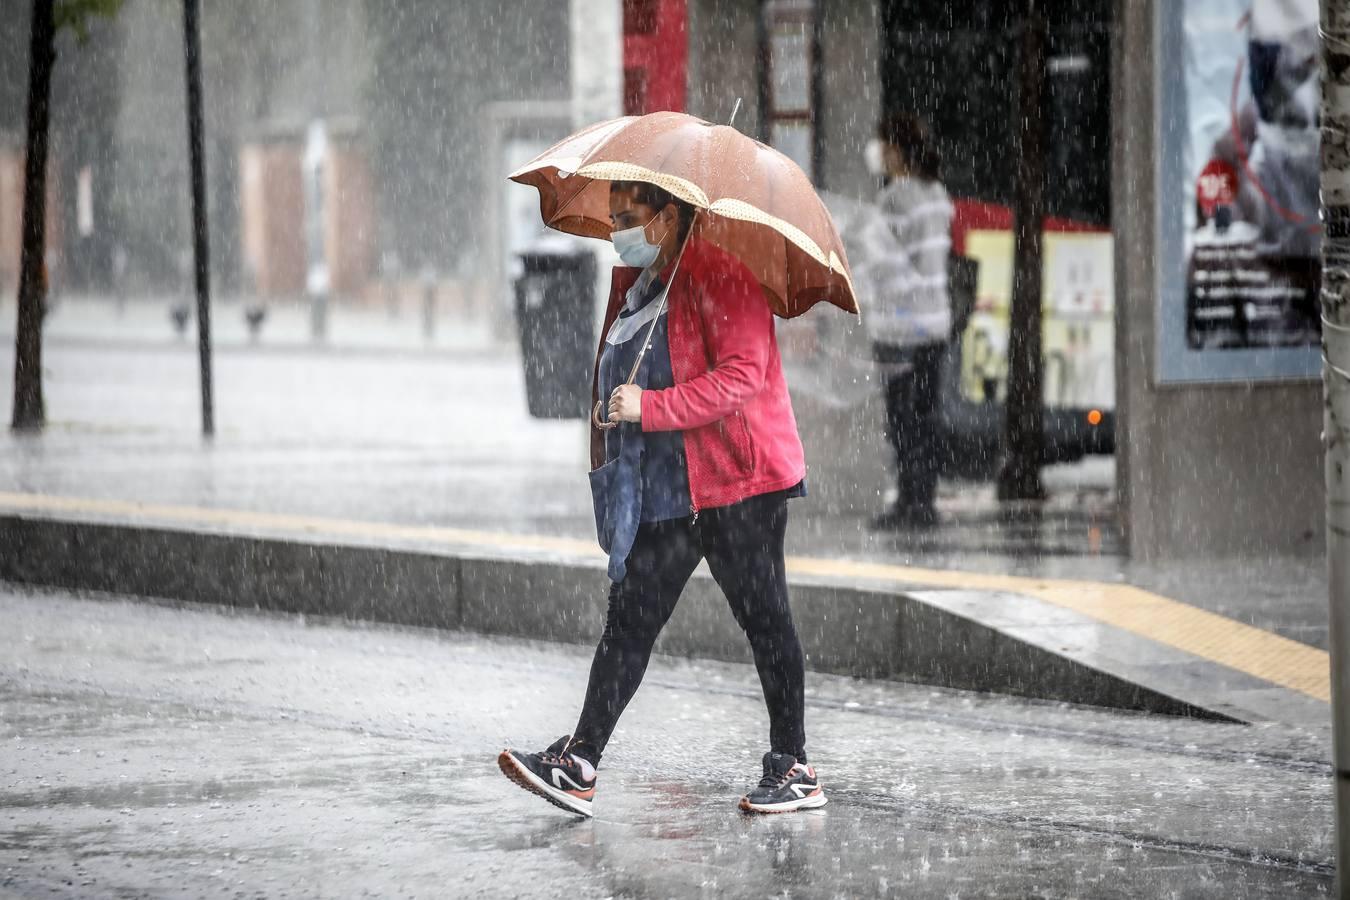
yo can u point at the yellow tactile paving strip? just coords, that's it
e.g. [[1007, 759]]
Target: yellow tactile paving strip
[[1216, 638], [1210, 636]]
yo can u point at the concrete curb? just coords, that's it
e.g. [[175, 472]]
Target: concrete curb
[[931, 637]]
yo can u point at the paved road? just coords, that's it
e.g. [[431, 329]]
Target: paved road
[[151, 751]]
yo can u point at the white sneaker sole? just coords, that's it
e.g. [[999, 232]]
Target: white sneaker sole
[[531, 782], [813, 801]]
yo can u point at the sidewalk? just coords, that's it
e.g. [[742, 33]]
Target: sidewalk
[[442, 440]]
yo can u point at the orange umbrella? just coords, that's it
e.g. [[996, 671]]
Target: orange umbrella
[[754, 201]]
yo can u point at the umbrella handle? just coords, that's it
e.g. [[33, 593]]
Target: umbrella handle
[[595, 418]]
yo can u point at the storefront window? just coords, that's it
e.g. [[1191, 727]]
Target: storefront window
[[789, 70]]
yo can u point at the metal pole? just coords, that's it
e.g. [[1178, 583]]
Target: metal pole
[[200, 247], [1335, 24]]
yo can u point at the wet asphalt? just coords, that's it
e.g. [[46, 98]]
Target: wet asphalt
[[159, 751]]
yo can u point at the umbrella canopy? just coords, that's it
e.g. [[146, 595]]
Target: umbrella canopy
[[756, 203]]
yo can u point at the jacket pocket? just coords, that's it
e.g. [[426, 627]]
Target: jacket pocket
[[735, 431]]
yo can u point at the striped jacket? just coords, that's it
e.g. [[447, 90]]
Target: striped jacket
[[902, 251]]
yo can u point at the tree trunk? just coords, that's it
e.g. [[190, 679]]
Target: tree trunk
[[1336, 380], [1020, 478], [29, 412]]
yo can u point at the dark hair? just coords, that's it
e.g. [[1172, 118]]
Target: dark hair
[[908, 134], [658, 199]]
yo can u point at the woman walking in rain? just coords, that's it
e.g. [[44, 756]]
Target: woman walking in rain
[[912, 321], [694, 446], [719, 458]]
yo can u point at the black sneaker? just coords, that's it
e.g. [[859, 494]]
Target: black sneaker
[[552, 774], [786, 785]]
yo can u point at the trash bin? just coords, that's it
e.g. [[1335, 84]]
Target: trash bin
[[555, 316]]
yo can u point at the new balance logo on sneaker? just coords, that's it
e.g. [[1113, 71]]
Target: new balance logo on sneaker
[[553, 774], [560, 778], [786, 785]]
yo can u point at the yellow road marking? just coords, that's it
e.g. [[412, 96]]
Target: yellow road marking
[[288, 522], [1210, 636]]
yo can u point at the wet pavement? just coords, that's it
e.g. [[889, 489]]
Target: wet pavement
[[378, 428], [155, 751]]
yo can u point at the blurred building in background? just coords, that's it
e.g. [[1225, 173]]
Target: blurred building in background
[[424, 106], [274, 210], [79, 248], [1218, 450], [401, 88]]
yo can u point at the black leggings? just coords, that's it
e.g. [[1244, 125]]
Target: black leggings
[[743, 544]]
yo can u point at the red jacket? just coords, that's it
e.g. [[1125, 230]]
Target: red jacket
[[730, 398]]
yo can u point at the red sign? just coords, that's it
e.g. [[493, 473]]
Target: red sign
[[655, 55]]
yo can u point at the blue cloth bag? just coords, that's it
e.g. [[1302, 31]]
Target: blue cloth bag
[[616, 487], [616, 493]]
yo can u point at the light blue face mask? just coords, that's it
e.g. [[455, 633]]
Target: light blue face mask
[[633, 247]]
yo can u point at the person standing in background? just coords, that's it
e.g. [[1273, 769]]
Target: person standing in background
[[910, 315]]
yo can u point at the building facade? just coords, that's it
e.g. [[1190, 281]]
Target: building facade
[[402, 85], [1210, 465]]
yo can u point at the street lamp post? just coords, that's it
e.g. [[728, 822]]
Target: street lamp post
[[200, 247], [1020, 477]]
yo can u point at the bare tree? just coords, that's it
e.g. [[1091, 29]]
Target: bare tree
[[49, 18]]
